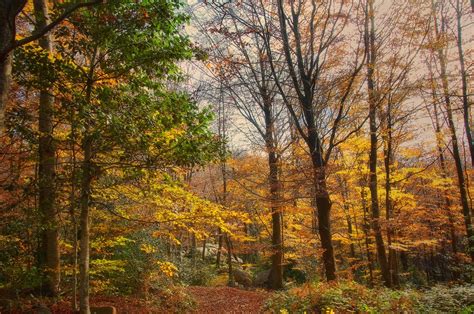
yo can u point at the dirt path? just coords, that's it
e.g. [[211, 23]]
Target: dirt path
[[227, 300]]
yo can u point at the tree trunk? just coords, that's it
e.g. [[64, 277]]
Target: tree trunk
[[462, 184], [465, 100], [5, 79], [72, 210], [50, 255], [204, 249], [366, 229], [86, 181], [345, 206], [219, 248], [86, 185], [193, 248], [388, 162], [323, 204], [370, 44], [275, 280], [231, 282], [9, 9], [85, 226], [444, 173]]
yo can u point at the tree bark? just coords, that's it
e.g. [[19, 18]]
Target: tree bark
[[388, 162], [84, 307], [323, 204], [86, 185], [375, 208], [231, 281], [9, 9], [366, 229], [204, 249], [275, 280], [50, 254]]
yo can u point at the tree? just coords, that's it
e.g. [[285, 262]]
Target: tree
[[311, 67], [111, 97], [9, 10], [49, 254], [244, 72], [371, 51]]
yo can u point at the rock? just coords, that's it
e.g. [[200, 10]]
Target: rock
[[261, 278], [103, 310], [41, 309], [237, 260], [291, 272], [241, 277]]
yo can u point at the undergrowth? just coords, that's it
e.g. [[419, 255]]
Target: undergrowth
[[350, 297]]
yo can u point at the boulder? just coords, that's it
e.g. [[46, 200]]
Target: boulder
[[242, 278], [103, 310], [41, 309], [261, 278]]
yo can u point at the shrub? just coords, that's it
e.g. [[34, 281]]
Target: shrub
[[349, 297], [196, 273], [443, 299]]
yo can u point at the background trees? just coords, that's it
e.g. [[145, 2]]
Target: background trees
[[332, 64]]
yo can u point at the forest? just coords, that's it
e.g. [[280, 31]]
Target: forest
[[236, 156]]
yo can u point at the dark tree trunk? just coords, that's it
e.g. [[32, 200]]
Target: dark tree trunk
[[275, 280], [366, 229], [84, 203], [204, 249], [9, 9], [50, 254], [323, 204], [231, 281], [370, 44]]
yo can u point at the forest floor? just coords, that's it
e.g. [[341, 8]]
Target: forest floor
[[205, 299], [227, 300]]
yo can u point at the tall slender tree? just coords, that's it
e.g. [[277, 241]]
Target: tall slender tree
[[49, 255]]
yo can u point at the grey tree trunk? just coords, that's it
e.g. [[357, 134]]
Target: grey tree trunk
[[50, 254]]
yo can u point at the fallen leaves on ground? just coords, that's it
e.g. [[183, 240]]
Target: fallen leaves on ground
[[227, 300]]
